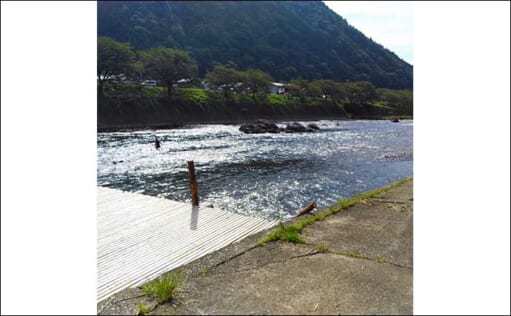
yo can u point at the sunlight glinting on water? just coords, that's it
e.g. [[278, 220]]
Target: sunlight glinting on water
[[269, 175]]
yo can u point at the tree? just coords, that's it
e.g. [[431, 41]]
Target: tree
[[114, 58], [361, 92], [314, 89], [400, 100], [328, 88], [168, 65], [336, 91], [256, 80], [298, 88], [224, 77], [136, 70]]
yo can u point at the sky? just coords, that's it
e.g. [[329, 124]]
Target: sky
[[389, 23]]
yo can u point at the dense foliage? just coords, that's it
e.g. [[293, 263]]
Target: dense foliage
[[224, 77], [113, 58], [225, 92], [168, 66], [401, 100], [231, 80], [286, 39], [151, 105]]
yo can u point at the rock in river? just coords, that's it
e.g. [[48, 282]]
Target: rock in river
[[260, 126], [265, 126], [299, 128], [313, 126]]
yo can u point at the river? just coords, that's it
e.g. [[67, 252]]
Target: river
[[268, 175]]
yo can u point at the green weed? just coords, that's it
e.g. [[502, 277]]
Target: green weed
[[322, 248], [163, 288], [284, 232], [143, 309]]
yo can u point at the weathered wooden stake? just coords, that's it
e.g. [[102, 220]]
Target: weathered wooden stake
[[193, 183], [307, 209]]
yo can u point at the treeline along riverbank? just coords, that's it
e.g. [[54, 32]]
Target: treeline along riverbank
[[161, 86], [137, 107]]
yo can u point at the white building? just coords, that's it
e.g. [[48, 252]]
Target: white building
[[182, 82], [277, 88], [149, 83]]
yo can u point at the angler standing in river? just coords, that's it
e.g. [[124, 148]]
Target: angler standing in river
[[156, 142]]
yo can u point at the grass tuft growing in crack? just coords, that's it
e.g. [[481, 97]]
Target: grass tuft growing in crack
[[288, 233], [203, 271], [353, 254], [163, 288], [143, 309], [291, 232], [322, 248]]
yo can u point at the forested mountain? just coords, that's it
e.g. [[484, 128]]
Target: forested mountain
[[288, 40]]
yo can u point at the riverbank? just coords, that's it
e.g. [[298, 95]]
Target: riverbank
[[143, 108], [354, 258], [108, 128]]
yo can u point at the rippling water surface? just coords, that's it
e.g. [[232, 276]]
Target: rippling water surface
[[269, 175]]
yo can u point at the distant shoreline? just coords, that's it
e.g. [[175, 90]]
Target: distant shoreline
[[174, 125]]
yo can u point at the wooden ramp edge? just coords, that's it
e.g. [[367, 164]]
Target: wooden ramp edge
[[141, 237]]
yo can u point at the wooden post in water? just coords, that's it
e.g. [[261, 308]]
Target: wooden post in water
[[193, 183]]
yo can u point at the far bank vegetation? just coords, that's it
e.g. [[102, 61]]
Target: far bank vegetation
[[169, 77]]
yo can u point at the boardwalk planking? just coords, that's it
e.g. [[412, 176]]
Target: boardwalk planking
[[140, 237]]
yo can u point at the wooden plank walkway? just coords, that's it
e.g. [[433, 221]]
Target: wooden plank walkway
[[140, 237]]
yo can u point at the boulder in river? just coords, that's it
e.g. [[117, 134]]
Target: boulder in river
[[248, 128], [260, 126], [297, 128], [313, 126], [265, 126]]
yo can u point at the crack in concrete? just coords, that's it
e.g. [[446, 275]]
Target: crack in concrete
[[382, 200], [312, 253], [262, 265], [309, 254], [363, 257], [234, 257]]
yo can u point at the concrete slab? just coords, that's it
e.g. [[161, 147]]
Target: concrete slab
[[380, 228], [316, 284], [285, 278]]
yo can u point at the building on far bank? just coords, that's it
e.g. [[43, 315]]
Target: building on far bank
[[149, 83], [277, 88], [182, 82], [273, 87]]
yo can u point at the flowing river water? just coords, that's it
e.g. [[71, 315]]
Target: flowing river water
[[268, 175]]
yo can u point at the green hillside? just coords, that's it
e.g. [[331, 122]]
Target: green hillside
[[288, 40]]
